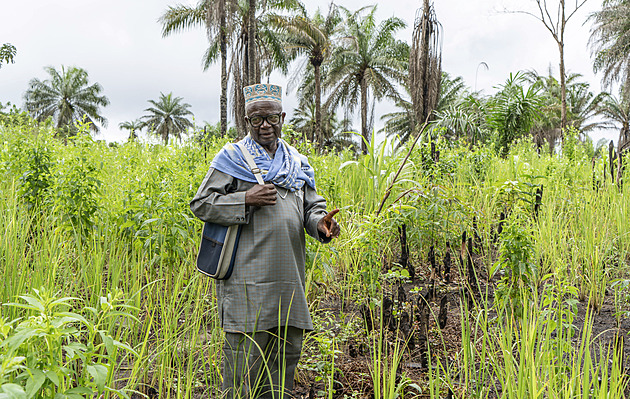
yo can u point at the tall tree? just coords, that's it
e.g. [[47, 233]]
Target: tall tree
[[616, 112], [556, 27], [133, 127], [67, 97], [610, 41], [269, 54], [253, 76], [369, 58], [402, 123], [425, 63], [311, 37], [213, 16], [582, 106], [168, 117]]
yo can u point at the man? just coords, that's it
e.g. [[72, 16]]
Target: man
[[262, 306]]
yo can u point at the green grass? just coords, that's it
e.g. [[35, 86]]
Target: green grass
[[140, 240]]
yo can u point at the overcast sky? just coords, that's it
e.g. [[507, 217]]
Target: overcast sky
[[119, 43]]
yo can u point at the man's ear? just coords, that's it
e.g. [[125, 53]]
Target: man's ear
[[283, 115]]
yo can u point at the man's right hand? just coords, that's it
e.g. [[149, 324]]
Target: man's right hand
[[260, 195]]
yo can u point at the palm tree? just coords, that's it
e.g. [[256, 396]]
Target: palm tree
[[464, 117], [582, 106], [227, 24], [168, 117], [67, 97], [425, 63], [304, 121], [513, 111], [616, 111], [368, 59], [133, 127], [610, 42], [311, 37], [212, 15], [402, 123]]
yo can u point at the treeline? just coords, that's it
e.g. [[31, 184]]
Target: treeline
[[343, 61]]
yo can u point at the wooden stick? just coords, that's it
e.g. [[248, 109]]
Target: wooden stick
[[402, 164]]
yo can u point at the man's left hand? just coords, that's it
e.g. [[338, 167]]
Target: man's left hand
[[327, 225]]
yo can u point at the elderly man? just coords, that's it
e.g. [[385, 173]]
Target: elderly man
[[262, 306]]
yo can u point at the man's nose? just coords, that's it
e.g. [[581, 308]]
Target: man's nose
[[265, 122]]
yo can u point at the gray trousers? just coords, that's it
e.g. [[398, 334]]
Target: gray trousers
[[261, 364]]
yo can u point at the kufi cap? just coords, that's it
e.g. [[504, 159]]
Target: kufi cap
[[262, 92]]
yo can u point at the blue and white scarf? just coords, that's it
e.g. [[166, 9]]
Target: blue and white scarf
[[288, 168]]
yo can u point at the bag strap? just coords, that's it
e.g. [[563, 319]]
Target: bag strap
[[252, 164]]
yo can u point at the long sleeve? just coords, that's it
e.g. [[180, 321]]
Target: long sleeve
[[314, 210], [218, 201]]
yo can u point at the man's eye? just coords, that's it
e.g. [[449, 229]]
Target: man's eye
[[257, 120], [273, 119]]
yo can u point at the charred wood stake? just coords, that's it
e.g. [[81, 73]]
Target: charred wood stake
[[467, 298], [500, 227], [402, 295], [442, 316], [447, 263], [434, 270], [404, 253], [426, 297], [367, 317], [423, 332], [538, 201]]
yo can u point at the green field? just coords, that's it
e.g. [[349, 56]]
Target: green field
[[100, 295]]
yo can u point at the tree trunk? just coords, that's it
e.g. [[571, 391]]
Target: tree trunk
[[317, 136], [364, 111], [251, 44], [224, 77], [563, 92], [563, 80]]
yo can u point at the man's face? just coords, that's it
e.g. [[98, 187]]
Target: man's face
[[267, 133]]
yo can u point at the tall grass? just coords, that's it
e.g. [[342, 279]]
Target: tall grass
[[141, 240]]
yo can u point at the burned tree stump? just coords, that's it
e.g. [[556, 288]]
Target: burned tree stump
[[434, 267], [404, 253], [368, 318], [423, 334], [402, 295], [538, 201], [472, 275], [442, 316]]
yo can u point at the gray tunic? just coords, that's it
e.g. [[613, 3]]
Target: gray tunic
[[266, 288]]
